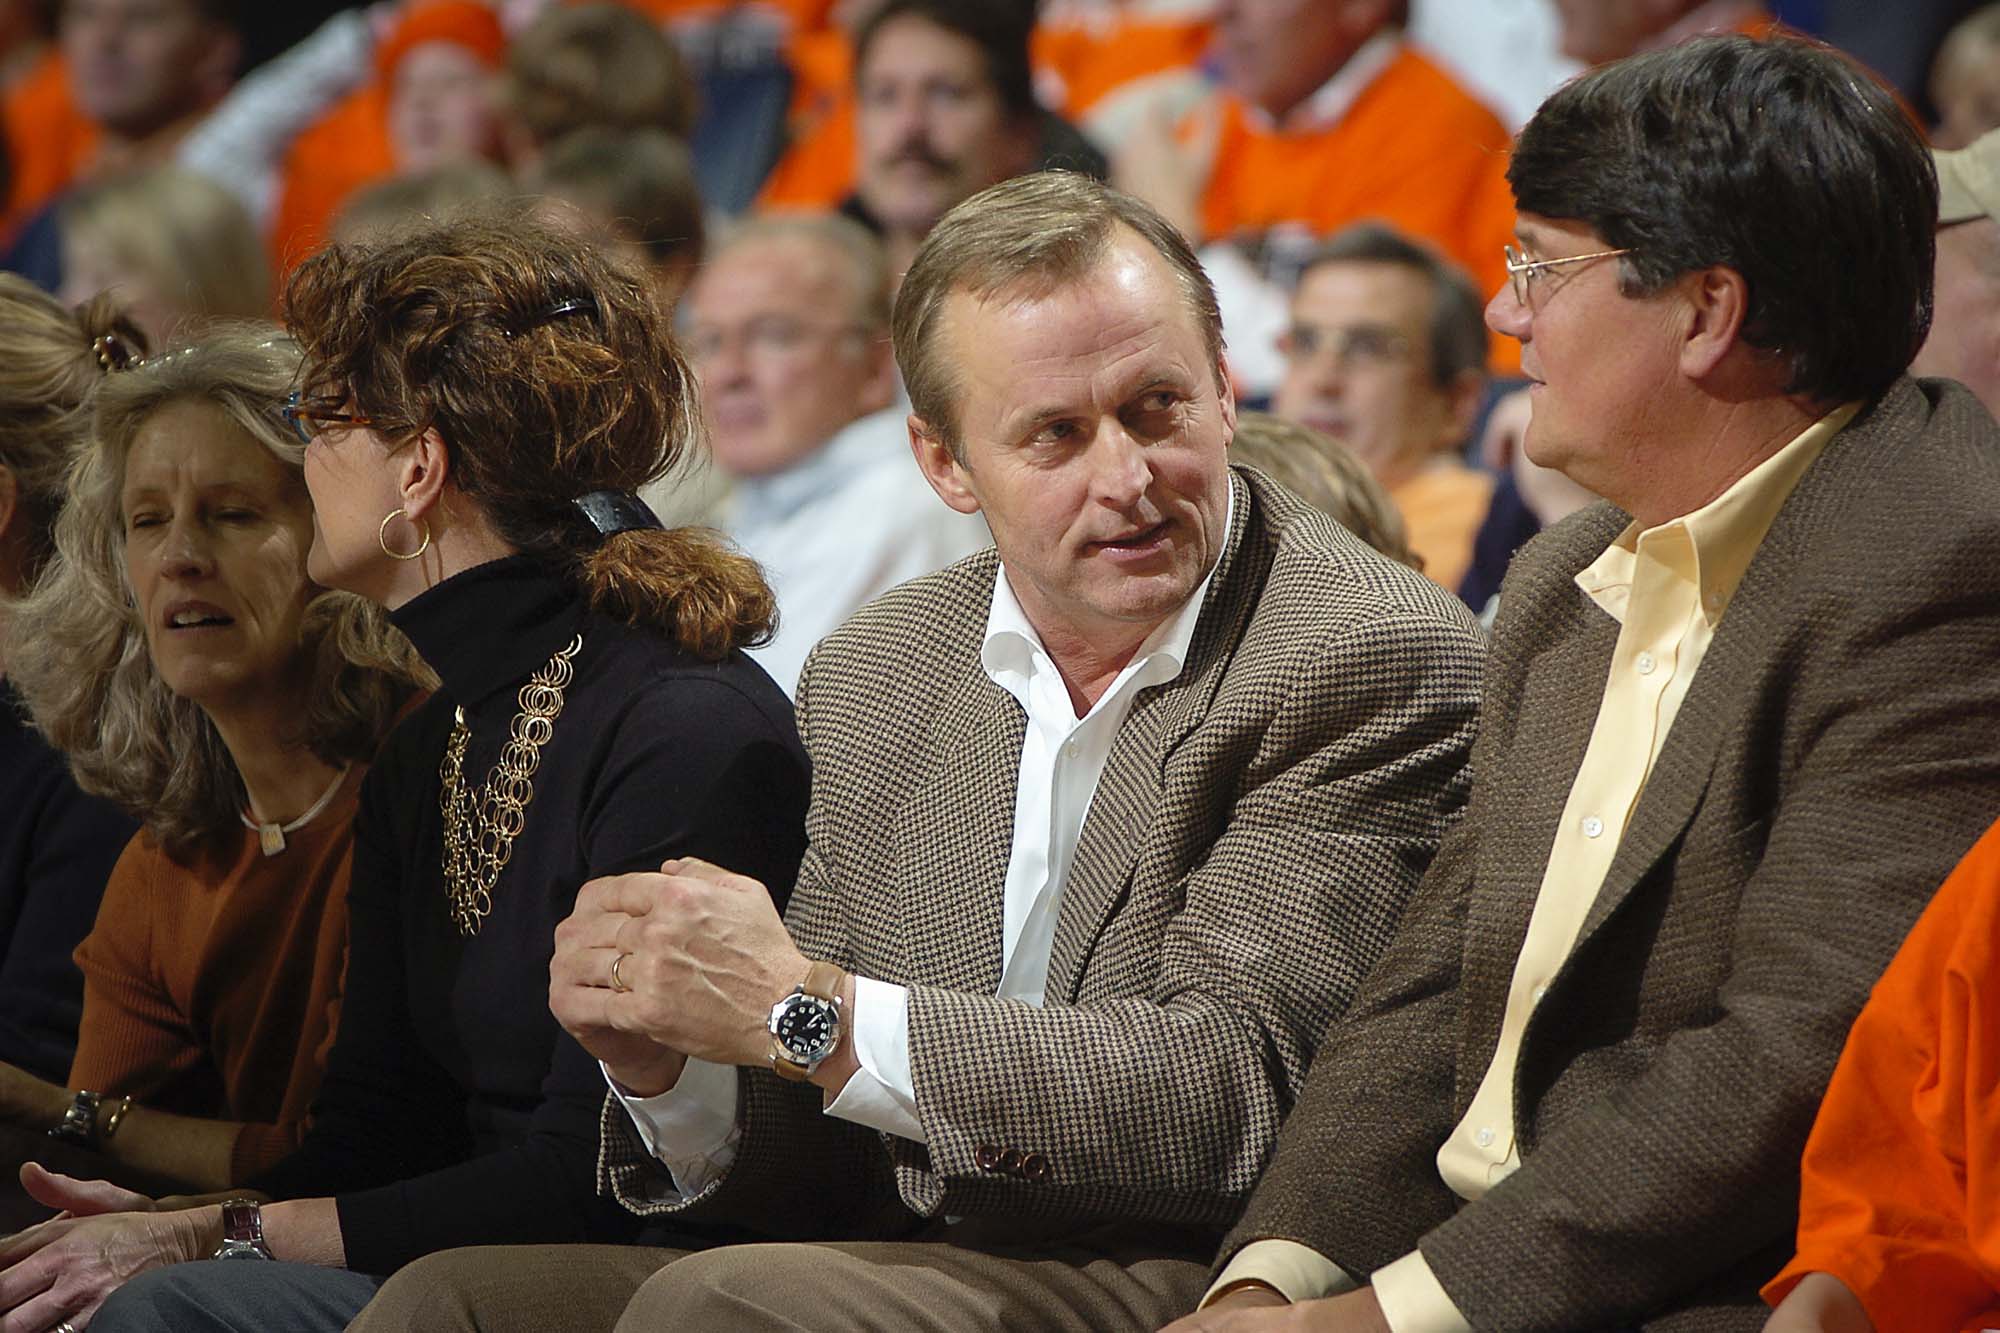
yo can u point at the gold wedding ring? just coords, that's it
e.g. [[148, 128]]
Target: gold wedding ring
[[618, 982]]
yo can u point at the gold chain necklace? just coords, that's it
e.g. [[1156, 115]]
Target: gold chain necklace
[[479, 835]]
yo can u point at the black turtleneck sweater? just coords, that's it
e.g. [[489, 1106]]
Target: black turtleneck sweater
[[57, 847], [455, 1111]]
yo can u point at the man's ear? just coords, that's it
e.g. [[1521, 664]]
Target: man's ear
[[1463, 397], [1718, 301], [941, 467], [422, 468], [1225, 395]]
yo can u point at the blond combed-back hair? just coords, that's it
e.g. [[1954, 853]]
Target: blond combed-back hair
[[1029, 235], [48, 365], [77, 649], [550, 371]]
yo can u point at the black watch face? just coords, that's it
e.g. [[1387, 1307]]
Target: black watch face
[[807, 1029]]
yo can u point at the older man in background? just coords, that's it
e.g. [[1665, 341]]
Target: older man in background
[[788, 326]]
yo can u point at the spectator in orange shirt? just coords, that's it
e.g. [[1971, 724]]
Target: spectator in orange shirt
[[1896, 1225], [128, 79], [1386, 352], [1325, 117]]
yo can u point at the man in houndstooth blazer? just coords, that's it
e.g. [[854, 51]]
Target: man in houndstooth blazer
[[1065, 1152]]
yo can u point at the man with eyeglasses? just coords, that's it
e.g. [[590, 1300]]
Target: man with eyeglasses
[[1736, 727], [789, 333], [1386, 352]]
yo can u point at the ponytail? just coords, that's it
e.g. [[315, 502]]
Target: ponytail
[[687, 581]]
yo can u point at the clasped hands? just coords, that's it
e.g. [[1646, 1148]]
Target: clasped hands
[[63, 1269], [1253, 1310], [700, 956]]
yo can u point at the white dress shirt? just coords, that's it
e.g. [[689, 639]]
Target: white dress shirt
[[692, 1128], [842, 526]]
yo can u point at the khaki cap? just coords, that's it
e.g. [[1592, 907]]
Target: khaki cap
[[1969, 180]]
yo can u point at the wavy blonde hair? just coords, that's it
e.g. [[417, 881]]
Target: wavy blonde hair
[[77, 649]]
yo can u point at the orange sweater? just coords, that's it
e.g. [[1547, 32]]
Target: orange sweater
[[212, 978], [1901, 1197], [1414, 150], [1442, 508]]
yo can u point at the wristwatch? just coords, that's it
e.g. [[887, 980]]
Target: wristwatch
[[806, 1025], [242, 1231], [79, 1121]]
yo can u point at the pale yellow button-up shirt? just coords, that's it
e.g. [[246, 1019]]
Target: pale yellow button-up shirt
[[1667, 587]]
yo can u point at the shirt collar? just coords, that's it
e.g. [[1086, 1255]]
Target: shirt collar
[[1012, 652], [1714, 545], [1333, 99], [756, 502]]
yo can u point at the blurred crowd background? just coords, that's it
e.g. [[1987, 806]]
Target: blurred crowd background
[[1339, 163]]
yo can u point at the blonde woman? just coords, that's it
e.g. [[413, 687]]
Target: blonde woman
[[483, 398], [177, 652], [56, 843]]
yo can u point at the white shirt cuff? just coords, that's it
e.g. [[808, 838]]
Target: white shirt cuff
[[881, 1094], [1412, 1299], [1297, 1272], [691, 1127]]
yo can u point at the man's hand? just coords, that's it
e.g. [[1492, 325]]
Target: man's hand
[[63, 1269], [702, 957], [1256, 1310]]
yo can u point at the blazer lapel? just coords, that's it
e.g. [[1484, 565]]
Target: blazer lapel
[[1128, 794], [954, 837]]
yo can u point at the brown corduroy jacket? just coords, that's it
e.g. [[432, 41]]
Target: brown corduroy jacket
[[1259, 824], [1836, 753]]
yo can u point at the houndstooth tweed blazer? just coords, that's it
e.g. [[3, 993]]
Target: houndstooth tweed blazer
[[1836, 753], [1258, 827]]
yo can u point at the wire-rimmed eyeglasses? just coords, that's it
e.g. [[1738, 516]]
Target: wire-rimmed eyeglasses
[[1522, 271]]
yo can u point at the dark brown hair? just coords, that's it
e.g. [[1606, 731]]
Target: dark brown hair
[[549, 371], [579, 66]]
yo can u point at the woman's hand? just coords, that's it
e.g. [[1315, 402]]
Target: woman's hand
[[105, 1236]]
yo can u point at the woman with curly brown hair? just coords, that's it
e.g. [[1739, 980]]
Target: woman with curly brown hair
[[177, 655], [482, 399]]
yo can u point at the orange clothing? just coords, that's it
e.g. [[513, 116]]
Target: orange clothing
[[817, 169], [1901, 1196], [341, 152], [212, 978], [49, 141], [1084, 61], [1414, 150], [1442, 508]]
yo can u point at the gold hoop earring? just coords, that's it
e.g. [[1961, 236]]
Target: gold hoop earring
[[382, 536]]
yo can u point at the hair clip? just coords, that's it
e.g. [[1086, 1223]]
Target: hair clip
[[569, 305], [113, 352], [616, 511]]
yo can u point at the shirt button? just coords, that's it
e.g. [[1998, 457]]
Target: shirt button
[[1539, 993], [1484, 1138], [1592, 826], [1645, 664]]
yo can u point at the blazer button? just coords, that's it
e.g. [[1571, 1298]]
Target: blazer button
[[1036, 1167], [986, 1157], [1010, 1161]]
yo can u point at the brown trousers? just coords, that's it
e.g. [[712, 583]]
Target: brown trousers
[[902, 1285]]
